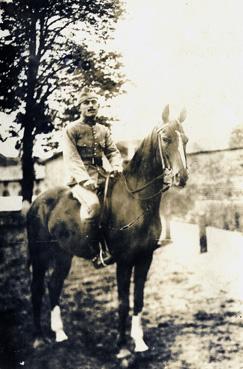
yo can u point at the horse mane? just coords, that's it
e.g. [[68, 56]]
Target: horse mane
[[145, 157]]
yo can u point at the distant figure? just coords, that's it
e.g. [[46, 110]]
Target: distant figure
[[85, 142]]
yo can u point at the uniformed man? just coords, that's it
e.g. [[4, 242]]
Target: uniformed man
[[85, 143]]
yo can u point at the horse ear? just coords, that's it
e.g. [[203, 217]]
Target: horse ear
[[166, 113], [182, 115]]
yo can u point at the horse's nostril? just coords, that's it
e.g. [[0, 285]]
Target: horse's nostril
[[180, 180], [183, 181]]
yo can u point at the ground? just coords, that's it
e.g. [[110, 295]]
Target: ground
[[193, 315]]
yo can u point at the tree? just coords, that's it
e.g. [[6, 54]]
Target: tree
[[40, 63], [236, 137]]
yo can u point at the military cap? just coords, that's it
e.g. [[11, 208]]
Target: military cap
[[86, 94]]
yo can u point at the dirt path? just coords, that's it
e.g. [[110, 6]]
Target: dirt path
[[192, 317]]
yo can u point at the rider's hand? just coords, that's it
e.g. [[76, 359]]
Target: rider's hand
[[116, 172], [90, 185]]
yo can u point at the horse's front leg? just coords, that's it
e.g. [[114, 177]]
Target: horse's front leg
[[123, 284], [60, 272], [140, 274]]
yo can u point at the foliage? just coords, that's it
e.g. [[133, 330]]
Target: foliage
[[236, 137], [43, 64]]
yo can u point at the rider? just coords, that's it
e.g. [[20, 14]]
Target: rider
[[85, 143]]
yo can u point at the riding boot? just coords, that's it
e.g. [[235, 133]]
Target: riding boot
[[90, 229]]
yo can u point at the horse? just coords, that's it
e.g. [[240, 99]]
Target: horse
[[132, 228]]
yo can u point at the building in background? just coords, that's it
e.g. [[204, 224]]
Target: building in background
[[11, 177]]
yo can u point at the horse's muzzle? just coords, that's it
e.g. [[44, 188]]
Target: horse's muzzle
[[181, 178]]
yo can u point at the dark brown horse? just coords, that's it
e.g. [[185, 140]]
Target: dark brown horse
[[132, 228]]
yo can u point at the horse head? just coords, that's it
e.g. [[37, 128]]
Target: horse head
[[172, 147]]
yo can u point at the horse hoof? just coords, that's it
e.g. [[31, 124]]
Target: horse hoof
[[38, 342], [123, 353], [141, 347], [61, 336]]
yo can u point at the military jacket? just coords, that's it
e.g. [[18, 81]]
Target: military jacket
[[83, 148]]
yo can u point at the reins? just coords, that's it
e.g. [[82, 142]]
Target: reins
[[142, 187], [133, 192]]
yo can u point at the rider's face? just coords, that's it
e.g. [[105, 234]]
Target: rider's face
[[89, 108]]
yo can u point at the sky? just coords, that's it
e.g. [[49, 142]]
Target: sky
[[182, 53], [188, 54]]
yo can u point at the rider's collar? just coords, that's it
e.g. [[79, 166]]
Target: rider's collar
[[89, 122]]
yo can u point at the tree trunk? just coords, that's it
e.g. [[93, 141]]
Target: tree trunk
[[27, 163], [29, 118]]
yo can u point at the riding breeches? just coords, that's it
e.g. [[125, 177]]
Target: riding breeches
[[90, 204]]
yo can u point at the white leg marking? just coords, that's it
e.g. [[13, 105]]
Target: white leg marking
[[57, 325], [137, 334], [181, 150]]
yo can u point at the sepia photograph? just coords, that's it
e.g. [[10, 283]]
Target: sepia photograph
[[121, 184]]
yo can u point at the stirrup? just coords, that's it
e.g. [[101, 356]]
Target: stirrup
[[103, 259]]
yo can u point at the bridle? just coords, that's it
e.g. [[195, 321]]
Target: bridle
[[166, 171]]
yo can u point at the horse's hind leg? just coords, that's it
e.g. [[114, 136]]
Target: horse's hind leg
[[60, 272], [140, 274], [39, 268]]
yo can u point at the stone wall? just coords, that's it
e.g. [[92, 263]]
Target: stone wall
[[15, 305], [218, 174], [13, 259], [214, 189]]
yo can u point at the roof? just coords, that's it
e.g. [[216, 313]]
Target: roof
[[6, 162]]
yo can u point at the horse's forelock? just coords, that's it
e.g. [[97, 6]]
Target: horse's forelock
[[171, 128]]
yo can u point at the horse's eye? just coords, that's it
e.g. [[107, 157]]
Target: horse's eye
[[166, 140]]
